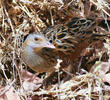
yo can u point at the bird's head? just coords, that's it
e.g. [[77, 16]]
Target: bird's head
[[37, 40]]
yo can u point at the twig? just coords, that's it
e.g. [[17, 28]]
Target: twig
[[7, 88]]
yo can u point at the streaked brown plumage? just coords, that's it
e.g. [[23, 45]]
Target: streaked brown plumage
[[41, 50]]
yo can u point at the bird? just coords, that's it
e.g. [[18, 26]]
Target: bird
[[41, 50]]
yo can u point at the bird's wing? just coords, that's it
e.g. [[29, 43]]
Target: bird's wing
[[70, 36]]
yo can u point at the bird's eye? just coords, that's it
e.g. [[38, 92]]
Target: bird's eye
[[36, 39], [50, 41]]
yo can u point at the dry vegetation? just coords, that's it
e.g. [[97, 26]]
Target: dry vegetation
[[21, 17]]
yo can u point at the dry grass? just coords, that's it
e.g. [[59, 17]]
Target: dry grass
[[21, 17]]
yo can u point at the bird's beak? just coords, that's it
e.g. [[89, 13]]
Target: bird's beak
[[49, 45]]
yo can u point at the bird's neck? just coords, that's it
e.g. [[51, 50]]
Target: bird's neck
[[31, 56]]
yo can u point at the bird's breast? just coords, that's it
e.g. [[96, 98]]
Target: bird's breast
[[37, 61]]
